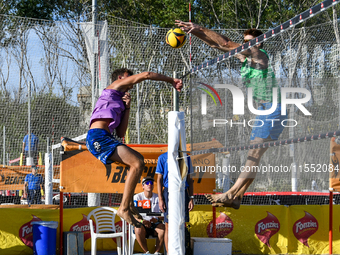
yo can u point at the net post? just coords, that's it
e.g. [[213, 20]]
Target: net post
[[4, 146], [30, 161], [61, 221], [214, 221], [176, 140], [294, 175], [94, 67], [48, 175]]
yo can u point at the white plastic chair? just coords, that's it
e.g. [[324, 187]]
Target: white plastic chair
[[132, 239], [104, 218]]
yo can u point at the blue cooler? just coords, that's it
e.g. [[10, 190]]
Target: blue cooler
[[44, 237]]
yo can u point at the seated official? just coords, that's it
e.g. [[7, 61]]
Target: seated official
[[151, 226]]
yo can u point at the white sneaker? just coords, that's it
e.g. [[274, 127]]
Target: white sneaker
[[158, 253], [147, 252]]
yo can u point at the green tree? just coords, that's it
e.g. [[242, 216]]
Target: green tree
[[51, 117], [245, 14], [223, 14], [39, 9], [6, 6]]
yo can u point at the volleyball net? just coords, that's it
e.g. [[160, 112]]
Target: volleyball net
[[302, 77], [301, 56]]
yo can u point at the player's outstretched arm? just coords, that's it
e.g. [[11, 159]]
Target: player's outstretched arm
[[128, 82], [213, 39]]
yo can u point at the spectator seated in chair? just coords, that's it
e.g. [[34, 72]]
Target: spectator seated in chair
[[151, 226]]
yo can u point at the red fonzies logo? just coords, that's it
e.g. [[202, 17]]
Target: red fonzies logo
[[305, 227], [26, 232], [266, 228], [83, 226], [224, 225]]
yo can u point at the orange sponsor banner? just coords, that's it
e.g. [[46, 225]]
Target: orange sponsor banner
[[13, 177], [204, 146], [82, 172], [110, 178], [203, 177], [204, 181], [334, 176]]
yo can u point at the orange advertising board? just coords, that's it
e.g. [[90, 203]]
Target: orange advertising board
[[82, 172], [78, 161], [13, 177]]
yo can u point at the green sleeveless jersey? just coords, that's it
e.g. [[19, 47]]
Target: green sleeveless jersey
[[260, 80]]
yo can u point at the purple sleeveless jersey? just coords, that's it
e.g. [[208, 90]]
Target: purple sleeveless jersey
[[109, 106]]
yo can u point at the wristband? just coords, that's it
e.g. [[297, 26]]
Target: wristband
[[192, 197], [142, 221]]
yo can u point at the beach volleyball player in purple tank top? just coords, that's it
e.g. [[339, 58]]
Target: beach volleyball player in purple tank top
[[111, 113]]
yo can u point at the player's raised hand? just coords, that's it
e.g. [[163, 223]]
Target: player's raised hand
[[187, 26], [127, 99], [177, 84]]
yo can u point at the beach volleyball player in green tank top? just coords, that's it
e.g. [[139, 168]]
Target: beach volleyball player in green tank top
[[257, 74]]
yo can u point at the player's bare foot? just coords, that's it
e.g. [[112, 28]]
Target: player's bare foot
[[128, 217], [224, 200], [236, 203], [135, 212]]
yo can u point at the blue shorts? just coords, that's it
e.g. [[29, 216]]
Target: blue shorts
[[101, 144], [166, 201], [265, 126]]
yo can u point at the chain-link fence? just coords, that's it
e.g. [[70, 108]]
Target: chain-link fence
[[54, 60]]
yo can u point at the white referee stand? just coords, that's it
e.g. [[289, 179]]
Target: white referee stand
[[178, 169]]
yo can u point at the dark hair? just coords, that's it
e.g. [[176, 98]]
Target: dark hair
[[119, 72], [253, 32]]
